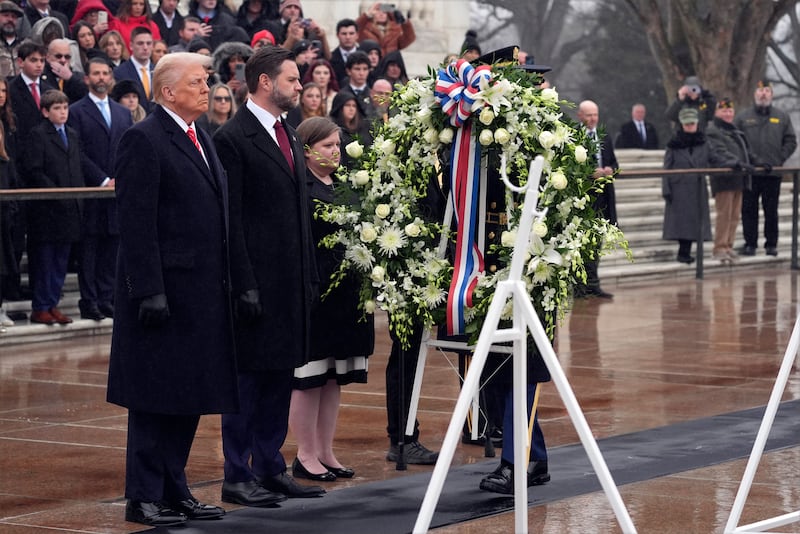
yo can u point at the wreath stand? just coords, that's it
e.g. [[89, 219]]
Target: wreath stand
[[789, 358], [524, 319]]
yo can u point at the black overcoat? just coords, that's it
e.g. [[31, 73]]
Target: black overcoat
[[272, 249], [173, 240], [49, 164]]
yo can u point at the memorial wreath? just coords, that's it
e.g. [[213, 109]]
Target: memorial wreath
[[443, 122]]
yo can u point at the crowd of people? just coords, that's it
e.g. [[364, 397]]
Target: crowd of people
[[183, 115]]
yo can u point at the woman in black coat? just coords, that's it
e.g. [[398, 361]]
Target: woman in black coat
[[341, 339]]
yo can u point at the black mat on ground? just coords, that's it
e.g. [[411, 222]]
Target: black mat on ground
[[391, 506]]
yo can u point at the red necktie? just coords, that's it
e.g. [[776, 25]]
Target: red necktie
[[283, 142], [35, 94], [193, 137]]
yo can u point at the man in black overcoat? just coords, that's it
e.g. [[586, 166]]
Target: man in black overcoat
[[273, 275], [172, 349]]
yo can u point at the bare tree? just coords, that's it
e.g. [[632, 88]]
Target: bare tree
[[724, 42], [539, 24]]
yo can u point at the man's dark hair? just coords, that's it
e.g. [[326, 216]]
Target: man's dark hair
[[344, 23], [28, 47], [356, 58], [267, 60], [139, 30], [188, 19], [53, 96], [99, 60]]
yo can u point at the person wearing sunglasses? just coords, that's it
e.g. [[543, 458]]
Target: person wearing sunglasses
[[221, 107], [57, 68]]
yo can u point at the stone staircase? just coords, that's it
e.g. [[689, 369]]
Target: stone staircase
[[640, 211]]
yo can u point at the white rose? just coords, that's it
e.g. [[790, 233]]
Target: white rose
[[446, 136], [540, 228], [369, 306], [580, 153], [431, 136], [547, 139], [508, 238], [382, 210], [487, 116], [486, 138], [558, 180], [502, 136], [412, 230], [387, 147], [354, 149], [424, 114], [361, 178], [378, 273], [550, 95], [368, 234]]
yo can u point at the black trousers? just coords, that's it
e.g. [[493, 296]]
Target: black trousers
[[767, 188], [397, 385], [158, 449]]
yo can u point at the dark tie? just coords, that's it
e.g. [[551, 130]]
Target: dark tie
[[63, 135], [283, 142], [35, 94], [642, 133], [193, 137]]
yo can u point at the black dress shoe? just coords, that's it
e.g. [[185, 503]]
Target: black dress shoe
[[106, 309], [772, 251], [155, 514], [685, 259], [501, 480], [194, 509], [249, 493], [92, 312], [340, 472], [299, 471], [283, 483], [748, 251]]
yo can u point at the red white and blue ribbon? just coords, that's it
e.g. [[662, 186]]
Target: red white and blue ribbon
[[456, 86]]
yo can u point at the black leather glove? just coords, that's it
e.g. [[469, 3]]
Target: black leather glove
[[767, 168], [746, 167], [668, 198], [398, 17], [248, 305], [154, 311]]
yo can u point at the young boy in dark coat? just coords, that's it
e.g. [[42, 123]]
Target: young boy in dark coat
[[53, 160]]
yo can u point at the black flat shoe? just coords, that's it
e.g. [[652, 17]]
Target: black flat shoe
[[340, 472], [155, 514], [299, 471], [194, 509], [685, 259]]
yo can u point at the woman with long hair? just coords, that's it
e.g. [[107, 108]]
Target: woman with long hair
[[341, 341], [320, 71], [87, 42], [347, 113], [221, 107], [310, 105], [11, 234], [112, 44], [133, 13]]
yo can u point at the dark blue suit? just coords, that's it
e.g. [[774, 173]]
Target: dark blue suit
[[173, 212], [127, 71], [99, 144], [272, 250]]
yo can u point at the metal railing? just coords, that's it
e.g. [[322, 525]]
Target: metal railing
[[783, 171], [105, 192]]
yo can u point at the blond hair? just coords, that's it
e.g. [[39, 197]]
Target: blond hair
[[171, 68]]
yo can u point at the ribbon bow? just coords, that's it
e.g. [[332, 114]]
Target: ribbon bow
[[456, 86]]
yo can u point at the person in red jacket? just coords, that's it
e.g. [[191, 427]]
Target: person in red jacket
[[387, 26], [133, 13]]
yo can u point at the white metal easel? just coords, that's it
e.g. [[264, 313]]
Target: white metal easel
[[524, 319], [789, 358]]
